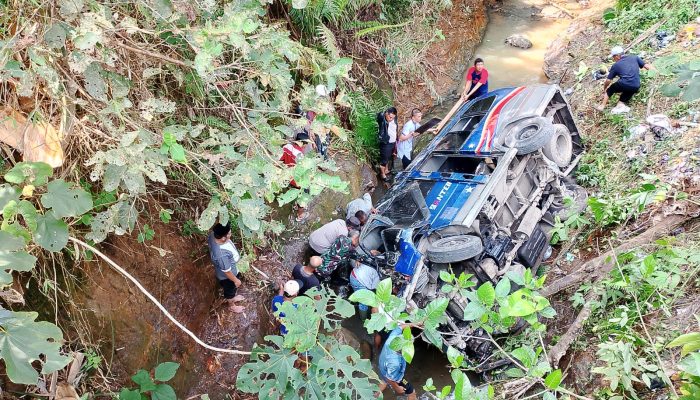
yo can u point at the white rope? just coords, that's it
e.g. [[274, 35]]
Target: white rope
[[156, 302]]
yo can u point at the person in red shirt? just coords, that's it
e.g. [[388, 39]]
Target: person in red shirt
[[477, 81], [291, 152]]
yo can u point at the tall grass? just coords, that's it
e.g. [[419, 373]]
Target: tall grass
[[363, 117]]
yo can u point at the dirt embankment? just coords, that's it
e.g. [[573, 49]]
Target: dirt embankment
[[444, 63], [586, 44], [447, 60], [133, 333]]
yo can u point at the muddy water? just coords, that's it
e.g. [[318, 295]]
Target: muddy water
[[507, 65], [510, 66]]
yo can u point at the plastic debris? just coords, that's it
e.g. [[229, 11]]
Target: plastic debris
[[662, 39], [638, 131], [661, 121], [569, 91], [620, 108], [569, 257]]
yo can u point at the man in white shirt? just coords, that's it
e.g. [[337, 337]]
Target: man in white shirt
[[224, 256], [404, 148]]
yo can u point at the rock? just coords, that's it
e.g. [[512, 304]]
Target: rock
[[520, 41]]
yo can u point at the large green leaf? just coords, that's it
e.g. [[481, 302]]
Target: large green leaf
[[33, 173], [486, 294], [473, 311], [8, 193], [344, 374], [366, 297], [553, 380], [689, 341], [692, 91], [24, 341], [166, 371], [670, 89], [12, 257], [163, 392], [66, 201], [435, 313], [302, 323], [691, 364], [384, 290], [51, 233], [270, 371]]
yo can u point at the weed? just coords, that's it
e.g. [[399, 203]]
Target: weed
[[147, 234], [189, 229]]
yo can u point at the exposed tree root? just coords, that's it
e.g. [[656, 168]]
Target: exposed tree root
[[603, 264], [138, 284]]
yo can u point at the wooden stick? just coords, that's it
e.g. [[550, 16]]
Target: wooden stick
[[449, 115]]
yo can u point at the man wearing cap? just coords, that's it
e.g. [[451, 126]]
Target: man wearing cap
[[287, 292], [626, 69], [224, 256]]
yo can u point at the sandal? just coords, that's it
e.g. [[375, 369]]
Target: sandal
[[303, 217]]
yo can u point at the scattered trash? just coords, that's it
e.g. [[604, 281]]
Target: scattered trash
[[600, 73], [631, 155], [661, 121], [661, 39], [569, 91], [638, 131], [569, 257], [620, 108]]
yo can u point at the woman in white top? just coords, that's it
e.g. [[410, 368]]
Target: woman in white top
[[404, 148]]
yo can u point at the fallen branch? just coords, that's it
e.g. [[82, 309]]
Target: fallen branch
[[153, 299], [597, 269], [603, 264], [646, 34]]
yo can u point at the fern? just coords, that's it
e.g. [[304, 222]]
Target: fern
[[363, 117], [327, 39], [379, 27]]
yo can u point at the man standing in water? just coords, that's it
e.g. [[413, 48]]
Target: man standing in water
[[404, 148], [392, 369], [477, 81], [387, 139], [224, 256]]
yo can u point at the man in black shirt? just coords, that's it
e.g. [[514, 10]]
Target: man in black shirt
[[307, 275]]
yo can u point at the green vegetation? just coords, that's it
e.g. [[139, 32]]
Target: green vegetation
[[154, 387], [631, 17]]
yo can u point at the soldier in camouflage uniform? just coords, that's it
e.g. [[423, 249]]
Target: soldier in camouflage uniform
[[340, 252]]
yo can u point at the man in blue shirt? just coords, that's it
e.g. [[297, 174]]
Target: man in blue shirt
[[392, 368], [626, 68], [287, 292]]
